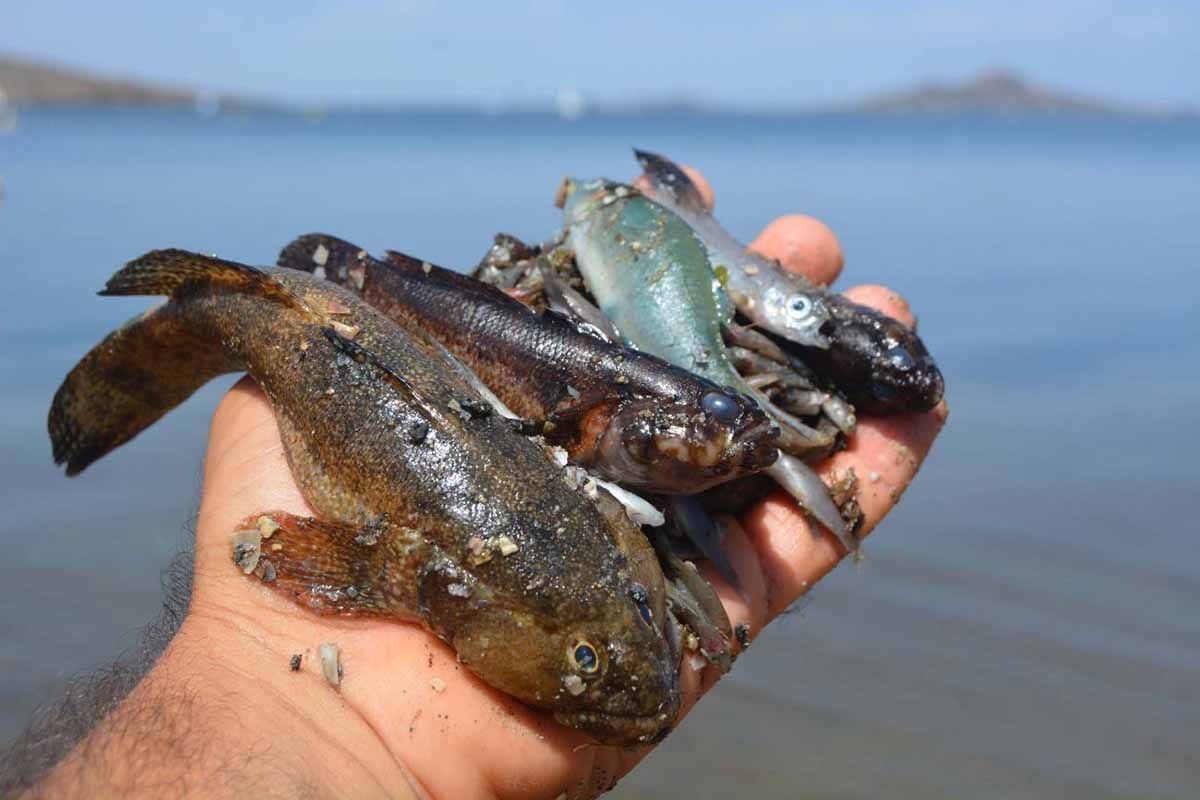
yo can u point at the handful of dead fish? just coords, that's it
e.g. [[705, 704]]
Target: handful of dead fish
[[525, 461]]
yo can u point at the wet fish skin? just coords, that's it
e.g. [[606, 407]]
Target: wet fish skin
[[627, 416], [638, 263], [881, 366], [381, 442], [651, 276]]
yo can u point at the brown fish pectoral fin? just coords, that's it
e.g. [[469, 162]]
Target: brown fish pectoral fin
[[334, 567]]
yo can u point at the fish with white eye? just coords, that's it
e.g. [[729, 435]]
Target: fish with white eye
[[799, 307]]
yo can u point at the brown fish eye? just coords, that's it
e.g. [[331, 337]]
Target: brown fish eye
[[720, 405], [586, 659]]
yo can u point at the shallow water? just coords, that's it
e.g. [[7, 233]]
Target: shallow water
[[1025, 623]]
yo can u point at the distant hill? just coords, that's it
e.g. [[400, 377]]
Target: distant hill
[[28, 83], [25, 83], [996, 91]]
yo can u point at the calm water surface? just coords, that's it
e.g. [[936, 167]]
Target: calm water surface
[[1025, 623]]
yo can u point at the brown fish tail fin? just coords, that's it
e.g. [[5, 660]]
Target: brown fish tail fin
[[177, 272], [333, 567], [137, 374]]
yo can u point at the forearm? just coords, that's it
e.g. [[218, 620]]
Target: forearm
[[221, 715]]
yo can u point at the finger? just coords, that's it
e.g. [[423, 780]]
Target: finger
[[702, 185], [804, 245], [245, 473], [884, 455], [883, 299], [246, 470]]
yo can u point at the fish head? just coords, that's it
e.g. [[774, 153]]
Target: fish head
[[789, 310], [608, 670], [880, 364], [687, 443], [580, 198]]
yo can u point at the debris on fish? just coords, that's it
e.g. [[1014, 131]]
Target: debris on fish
[[352, 455]]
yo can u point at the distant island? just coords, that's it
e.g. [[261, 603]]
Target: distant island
[[27, 84], [997, 91]]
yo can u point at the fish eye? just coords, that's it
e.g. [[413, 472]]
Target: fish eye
[[720, 405], [642, 598], [585, 658], [799, 306]]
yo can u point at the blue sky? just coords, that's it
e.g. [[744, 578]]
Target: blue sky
[[756, 54]]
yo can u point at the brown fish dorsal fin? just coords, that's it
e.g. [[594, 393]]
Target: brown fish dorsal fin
[[669, 179], [458, 282], [177, 272], [312, 250]]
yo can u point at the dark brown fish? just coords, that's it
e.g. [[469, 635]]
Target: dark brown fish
[[432, 509], [625, 415]]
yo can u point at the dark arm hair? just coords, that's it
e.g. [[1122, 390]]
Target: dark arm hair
[[60, 725]]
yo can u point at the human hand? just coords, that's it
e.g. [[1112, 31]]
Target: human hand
[[407, 718]]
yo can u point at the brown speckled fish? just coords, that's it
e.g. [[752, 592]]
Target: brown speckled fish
[[625, 415], [431, 509]]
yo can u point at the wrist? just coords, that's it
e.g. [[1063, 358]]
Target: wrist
[[223, 714]]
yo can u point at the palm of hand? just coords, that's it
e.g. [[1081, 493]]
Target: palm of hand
[[452, 735]]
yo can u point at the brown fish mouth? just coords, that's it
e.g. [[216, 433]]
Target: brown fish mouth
[[618, 729]]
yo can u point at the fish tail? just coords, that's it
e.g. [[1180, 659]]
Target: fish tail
[[178, 272], [134, 376], [668, 178]]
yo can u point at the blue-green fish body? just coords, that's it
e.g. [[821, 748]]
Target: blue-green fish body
[[649, 274]]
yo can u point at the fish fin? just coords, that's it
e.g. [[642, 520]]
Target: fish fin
[[177, 272], [694, 603], [364, 355], [567, 302], [334, 567], [320, 250], [669, 179], [134, 376], [691, 520], [463, 284]]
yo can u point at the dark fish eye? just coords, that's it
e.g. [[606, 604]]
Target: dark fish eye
[[899, 357], [799, 306], [720, 405], [642, 598], [585, 658]]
